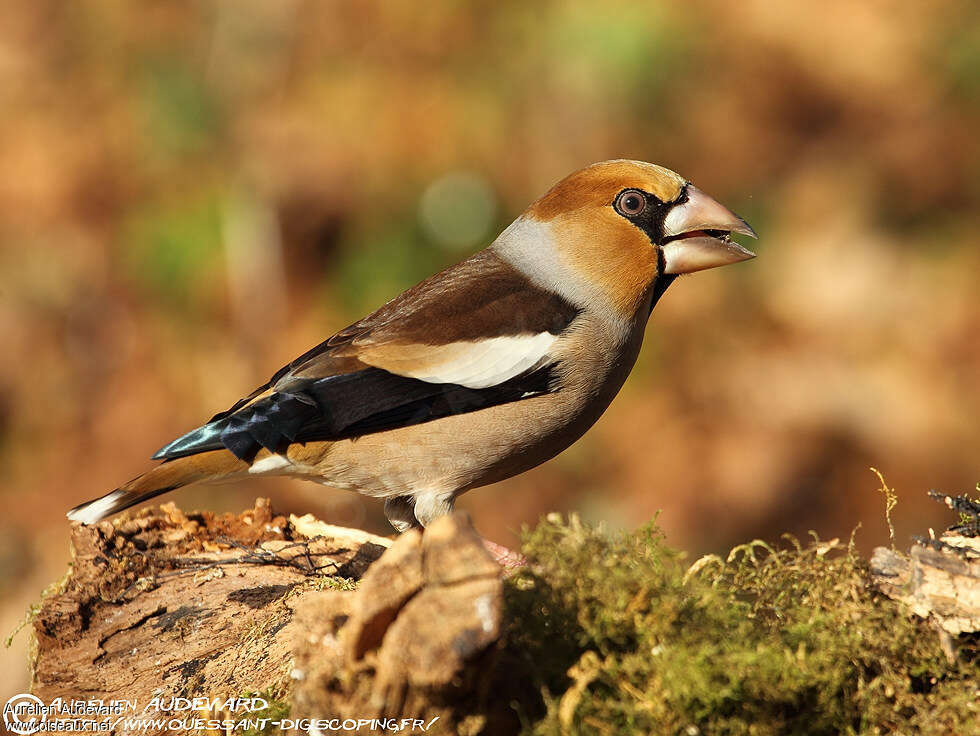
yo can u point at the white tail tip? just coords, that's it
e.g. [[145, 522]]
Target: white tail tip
[[93, 511]]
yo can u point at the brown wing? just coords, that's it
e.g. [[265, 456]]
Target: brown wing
[[480, 317], [482, 297]]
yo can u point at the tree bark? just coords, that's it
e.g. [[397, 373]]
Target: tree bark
[[940, 578], [173, 605], [169, 605]]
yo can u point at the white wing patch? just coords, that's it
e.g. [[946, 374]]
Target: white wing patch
[[269, 464], [474, 364]]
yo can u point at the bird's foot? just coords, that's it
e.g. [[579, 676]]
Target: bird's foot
[[508, 559]]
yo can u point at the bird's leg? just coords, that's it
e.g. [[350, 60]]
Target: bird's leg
[[430, 505], [400, 512], [424, 508], [506, 558]]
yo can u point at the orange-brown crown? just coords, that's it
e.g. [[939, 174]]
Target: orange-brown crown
[[597, 185]]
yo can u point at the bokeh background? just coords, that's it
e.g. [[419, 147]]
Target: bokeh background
[[192, 193]]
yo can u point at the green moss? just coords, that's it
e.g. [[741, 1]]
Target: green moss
[[55, 588], [621, 635], [330, 582], [278, 708]]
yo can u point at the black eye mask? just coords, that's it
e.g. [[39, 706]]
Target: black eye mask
[[651, 219]]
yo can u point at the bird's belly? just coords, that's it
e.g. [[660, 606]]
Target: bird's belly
[[453, 453], [456, 453]]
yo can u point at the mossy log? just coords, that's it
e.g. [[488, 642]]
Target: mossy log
[[345, 626]]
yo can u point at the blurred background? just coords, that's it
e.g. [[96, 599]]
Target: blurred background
[[193, 193]]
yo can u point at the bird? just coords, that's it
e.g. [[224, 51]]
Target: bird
[[478, 373]]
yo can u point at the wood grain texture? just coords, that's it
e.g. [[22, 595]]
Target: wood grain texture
[[170, 604]]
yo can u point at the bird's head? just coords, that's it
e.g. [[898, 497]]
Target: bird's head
[[624, 229]]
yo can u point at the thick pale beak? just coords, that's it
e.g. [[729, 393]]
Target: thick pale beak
[[699, 233]]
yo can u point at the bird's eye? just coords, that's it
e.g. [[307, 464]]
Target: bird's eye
[[631, 202]]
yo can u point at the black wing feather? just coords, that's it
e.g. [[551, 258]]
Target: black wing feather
[[346, 406]]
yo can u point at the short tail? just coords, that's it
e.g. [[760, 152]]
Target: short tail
[[172, 474]]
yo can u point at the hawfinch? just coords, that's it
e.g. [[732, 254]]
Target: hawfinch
[[478, 373]]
